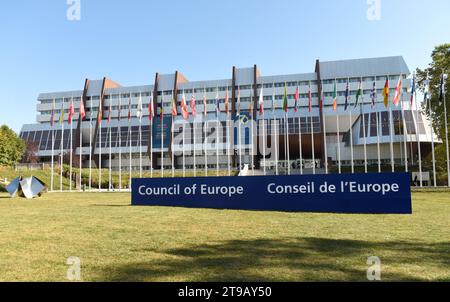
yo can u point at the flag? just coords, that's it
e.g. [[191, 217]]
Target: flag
[[61, 115], [82, 110], [151, 112], [296, 97], [129, 109], [335, 97], [398, 91], [373, 94], [174, 108], [217, 102], [226, 101], [442, 88], [52, 119], [386, 93], [427, 94], [347, 94], [285, 99], [193, 105], [359, 93], [139, 111], [100, 114], [309, 98], [161, 108], [184, 108], [205, 104], [413, 88], [261, 103]]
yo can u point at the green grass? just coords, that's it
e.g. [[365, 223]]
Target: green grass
[[117, 242]]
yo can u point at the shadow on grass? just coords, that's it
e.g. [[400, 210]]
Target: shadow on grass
[[294, 259]]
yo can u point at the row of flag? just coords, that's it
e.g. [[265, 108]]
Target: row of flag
[[186, 114]]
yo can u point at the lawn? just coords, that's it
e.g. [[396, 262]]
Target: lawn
[[117, 242]]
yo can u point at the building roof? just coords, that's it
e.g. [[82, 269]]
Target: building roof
[[363, 67]]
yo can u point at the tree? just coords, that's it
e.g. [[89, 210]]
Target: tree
[[30, 155], [11, 147], [440, 64]]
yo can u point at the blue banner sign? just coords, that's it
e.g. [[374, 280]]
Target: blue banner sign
[[162, 132], [347, 193]]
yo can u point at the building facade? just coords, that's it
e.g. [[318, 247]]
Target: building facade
[[314, 135]]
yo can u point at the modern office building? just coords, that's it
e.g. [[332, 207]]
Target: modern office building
[[319, 135]]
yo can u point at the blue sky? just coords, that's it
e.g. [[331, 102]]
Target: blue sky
[[128, 41]]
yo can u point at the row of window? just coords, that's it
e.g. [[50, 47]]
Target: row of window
[[222, 100], [224, 88]]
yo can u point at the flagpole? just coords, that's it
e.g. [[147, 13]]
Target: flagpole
[[300, 146], [162, 133], [70, 157], [312, 140], [275, 130], [90, 145], [338, 143], [62, 147], [140, 134], [62, 153], [110, 158], [205, 145], [378, 140], [287, 136], [405, 136], [217, 132], [321, 100], [81, 142], [363, 110], [446, 130], [352, 153], [173, 153], [53, 169], [239, 130], [100, 152], [416, 125], [129, 151], [365, 136], [253, 135], [184, 138], [119, 127], [428, 100], [53, 146], [184, 148], [152, 108], [205, 130], [391, 127], [227, 125], [194, 132]]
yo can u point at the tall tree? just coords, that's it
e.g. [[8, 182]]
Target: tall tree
[[440, 64], [11, 147]]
